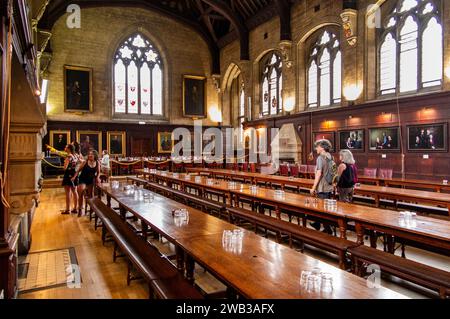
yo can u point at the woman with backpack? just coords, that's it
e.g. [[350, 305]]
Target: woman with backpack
[[347, 173]]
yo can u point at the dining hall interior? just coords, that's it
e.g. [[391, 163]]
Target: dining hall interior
[[225, 149]]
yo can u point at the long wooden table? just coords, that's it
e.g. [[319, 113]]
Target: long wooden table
[[262, 269], [376, 192], [428, 231]]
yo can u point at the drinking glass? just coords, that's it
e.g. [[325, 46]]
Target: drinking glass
[[226, 238], [326, 282], [313, 283], [304, 277], [445, 182]]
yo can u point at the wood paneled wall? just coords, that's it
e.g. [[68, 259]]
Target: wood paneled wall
[[420, 109]]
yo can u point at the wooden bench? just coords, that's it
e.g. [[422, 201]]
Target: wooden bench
[[304, 235], [420, 274], [163, 279]]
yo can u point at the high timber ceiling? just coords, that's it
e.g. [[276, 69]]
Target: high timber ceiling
[[219, 22]]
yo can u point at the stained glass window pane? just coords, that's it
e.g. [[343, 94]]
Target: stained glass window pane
[[132, 88], [408, 5], [157, 91], [120, 87], [388, 65], [145, 89], [242, 103], [408, 56], [136, 89], [325, 94], [432, 54], [273, 92], [265, 96], [312, 84], [337, 78]]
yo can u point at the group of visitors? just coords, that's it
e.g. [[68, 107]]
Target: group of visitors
[[330, 177], [81, 175]]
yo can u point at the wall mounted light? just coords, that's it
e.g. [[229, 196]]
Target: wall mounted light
[[214, 114], [352, 92], [289, 104]]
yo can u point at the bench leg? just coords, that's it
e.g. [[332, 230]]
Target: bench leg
[[342, 260], [190, 268]]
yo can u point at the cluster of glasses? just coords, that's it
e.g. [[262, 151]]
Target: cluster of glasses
[[163, 173], [115, 185], [254, 189], [198, 179], [316, 281], [146, 169], [311, 200], [180, 217], [407, 219], [148, 197], [187, 176], [129, 190], [330, 204], [280, 193], [357, 185], [232, 185], [153, 171], [232, 240], [210, 181], [445, 182]]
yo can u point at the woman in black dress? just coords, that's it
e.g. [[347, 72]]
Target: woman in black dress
[[89, 175], [69, 182]]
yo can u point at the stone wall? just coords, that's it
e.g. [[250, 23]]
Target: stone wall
[[359, 62], [102, 30]]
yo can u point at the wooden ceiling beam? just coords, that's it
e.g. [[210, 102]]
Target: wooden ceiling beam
[[236, 20], [284, 12]]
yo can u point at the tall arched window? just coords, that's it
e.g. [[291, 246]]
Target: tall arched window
[[272, 84], [411, 48], [324, 75], [138, 78]]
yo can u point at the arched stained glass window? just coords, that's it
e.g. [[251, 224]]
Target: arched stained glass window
[[324, 72], [138, 78], [271, 93], [411, 48]]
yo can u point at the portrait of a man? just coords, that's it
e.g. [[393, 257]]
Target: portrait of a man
[[78, 89], [59, 139], [116, 143], [194, 96], [165, 142], [89, 141]]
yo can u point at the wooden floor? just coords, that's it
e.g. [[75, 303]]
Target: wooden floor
[[103, 279]]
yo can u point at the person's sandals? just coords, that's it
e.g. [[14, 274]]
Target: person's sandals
[[65, 212], [74, 211], [79, 213]]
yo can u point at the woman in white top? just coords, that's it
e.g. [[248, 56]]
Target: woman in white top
[[105, 167]]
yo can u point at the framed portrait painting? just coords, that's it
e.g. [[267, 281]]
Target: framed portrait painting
[[165, 142], [384, 139], [427, 137], [352, 140], [194, 96], [117, 143], [90, 140], [330, 136], [77, 89], [59, 139]]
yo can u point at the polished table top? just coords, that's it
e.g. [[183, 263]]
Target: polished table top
[[261, 268], [304, 182], [425, 226]]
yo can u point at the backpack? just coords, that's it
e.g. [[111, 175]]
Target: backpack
[[331, 176]]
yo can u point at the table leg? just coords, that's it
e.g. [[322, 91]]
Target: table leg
[[277, 212], [144, 228], [190, 267], [180, 259], [342, 228], [373, 239], [108, 200], [359, 234]]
